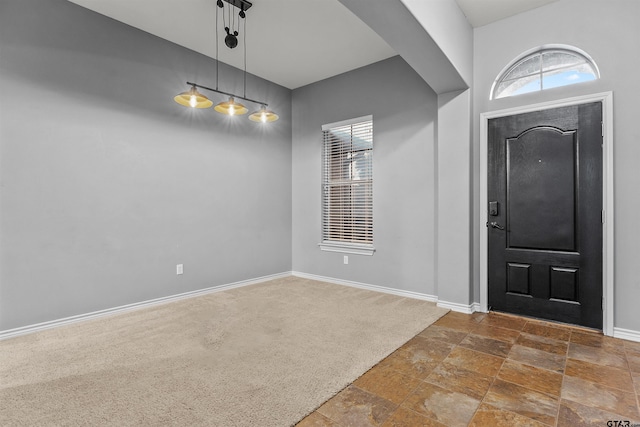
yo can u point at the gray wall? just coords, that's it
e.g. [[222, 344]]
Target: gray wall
[[609, 32], [404, 111], [453, 215], [106, 184]]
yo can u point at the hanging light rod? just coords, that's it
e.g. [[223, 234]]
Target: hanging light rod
[[227, 93]]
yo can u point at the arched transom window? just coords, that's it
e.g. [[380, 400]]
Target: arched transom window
[[544, 68]]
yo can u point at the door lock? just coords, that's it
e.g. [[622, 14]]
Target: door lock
[[493, 208], [494, 224]]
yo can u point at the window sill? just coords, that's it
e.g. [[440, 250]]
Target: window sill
[[347, 248]]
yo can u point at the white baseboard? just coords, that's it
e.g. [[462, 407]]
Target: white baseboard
[[376, 288], [626, 334], [10, 333], [475, 307], [460, 308]]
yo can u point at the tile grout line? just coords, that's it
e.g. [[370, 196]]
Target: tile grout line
[[494, 377], [564, 375], [633, 383], [469, 332], [422, 381], [596, 383], [519, 385], [557, 398]]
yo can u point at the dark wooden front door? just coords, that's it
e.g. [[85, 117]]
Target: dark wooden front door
[[545, 207]]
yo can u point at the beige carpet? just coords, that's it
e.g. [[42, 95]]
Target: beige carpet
[[262, 355]]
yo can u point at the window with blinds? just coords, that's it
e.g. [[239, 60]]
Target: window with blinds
[[347, 186]]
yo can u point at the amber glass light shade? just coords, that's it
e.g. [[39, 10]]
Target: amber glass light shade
[[192, 98], [231, 108], [263, 115]]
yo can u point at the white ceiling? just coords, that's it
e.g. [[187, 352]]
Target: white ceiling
[[289, 42], [483, 12]]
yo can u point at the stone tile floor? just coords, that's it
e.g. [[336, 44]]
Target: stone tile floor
[[494, 370]]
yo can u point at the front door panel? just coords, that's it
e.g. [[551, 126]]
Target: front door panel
[[545, 230], [541, 189]]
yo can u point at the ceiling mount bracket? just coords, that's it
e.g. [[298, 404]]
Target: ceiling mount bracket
[[243, 5]]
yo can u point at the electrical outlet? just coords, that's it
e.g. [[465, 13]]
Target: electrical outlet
[[346, 259], [179, 269]]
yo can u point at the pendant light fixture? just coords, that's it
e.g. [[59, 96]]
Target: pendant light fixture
[[231, 108], [194, 99], [263, 115]]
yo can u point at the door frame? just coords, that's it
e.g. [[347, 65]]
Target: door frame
[[606, 98]]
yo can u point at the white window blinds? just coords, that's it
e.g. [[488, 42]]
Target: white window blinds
[[347, 184]]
